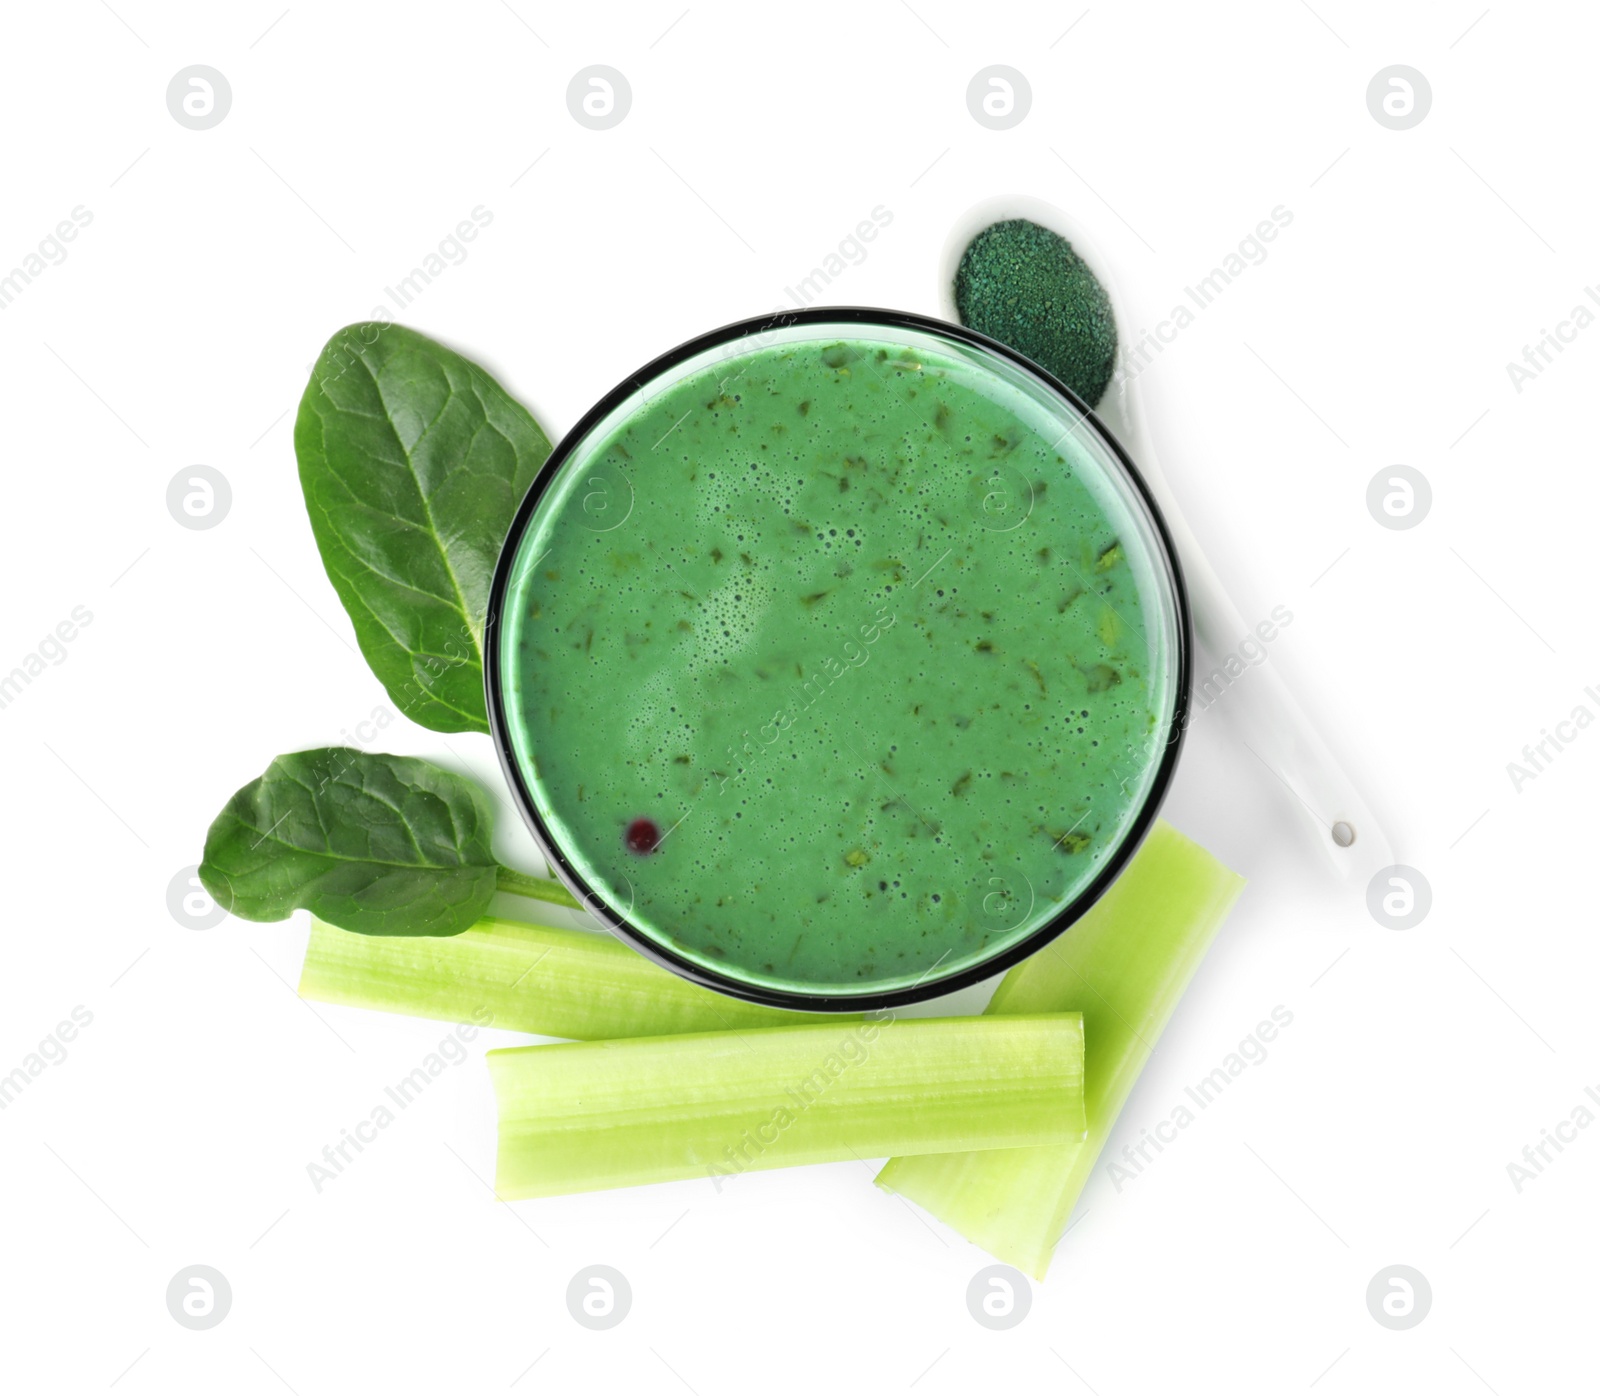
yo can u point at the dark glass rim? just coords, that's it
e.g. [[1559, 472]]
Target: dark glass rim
[[728, 984]]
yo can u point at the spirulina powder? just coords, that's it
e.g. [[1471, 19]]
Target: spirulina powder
[[1025, 286]]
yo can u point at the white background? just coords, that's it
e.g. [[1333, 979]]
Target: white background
[[178, 331]]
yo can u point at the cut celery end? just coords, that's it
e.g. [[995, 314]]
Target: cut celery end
[[1124, 965], [538, 979], [576, 1117]]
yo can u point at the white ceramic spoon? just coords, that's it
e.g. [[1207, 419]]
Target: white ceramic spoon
[[1258, 702]]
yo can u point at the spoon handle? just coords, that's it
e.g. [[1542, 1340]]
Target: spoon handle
[[1255, 700]]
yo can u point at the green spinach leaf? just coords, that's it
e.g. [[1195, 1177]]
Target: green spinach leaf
[[381, 845], [413, 461]]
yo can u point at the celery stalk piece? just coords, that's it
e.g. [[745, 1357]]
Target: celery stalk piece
[[1125, 965], [508, 974], [580, 1116]]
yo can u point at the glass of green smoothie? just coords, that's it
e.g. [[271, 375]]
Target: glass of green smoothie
[[838, 659]]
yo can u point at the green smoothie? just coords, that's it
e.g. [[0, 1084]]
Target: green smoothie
[[839, 660]]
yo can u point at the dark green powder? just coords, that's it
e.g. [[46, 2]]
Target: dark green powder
[[1025, 286]]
